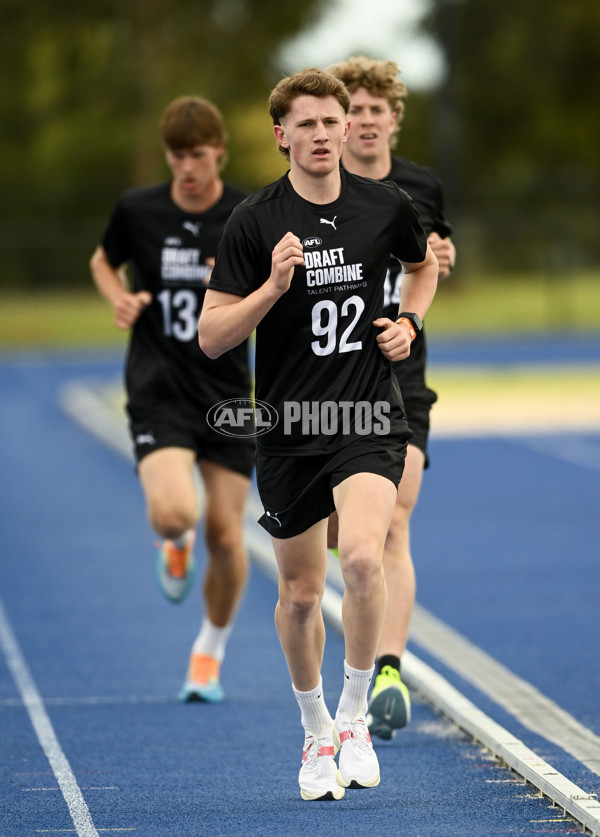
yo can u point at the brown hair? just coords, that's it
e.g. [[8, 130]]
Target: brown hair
[[190, 121], [379, 78], [308, 82]]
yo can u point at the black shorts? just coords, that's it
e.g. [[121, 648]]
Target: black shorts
[[416, 395], [154, 432], [296, 491]]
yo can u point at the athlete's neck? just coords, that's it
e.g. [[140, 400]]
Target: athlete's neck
[[197, 201], [377, 168], [320, 190]]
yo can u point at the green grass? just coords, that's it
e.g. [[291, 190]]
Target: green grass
[[463, 306]]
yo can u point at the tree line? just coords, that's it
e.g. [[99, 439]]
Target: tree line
[[513, 129]]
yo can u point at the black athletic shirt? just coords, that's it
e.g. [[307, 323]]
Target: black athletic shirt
[[167, 248], [317, 342], [425, 188]]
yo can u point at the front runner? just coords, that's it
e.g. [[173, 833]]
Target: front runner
[[304, 261]]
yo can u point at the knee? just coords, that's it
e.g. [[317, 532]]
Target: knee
[[301, 602], [361, 568], [223, 537], [170, 520]]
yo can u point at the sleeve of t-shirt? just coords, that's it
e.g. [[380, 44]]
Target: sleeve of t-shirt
[[411, 241], [237, 261], [116, 239]]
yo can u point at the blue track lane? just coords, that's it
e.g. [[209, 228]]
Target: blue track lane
[[505, 539]]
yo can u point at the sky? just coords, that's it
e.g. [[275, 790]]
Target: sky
[[378, 28]]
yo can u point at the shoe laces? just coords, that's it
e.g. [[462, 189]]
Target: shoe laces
[[203, 669], [176, 560], [361, 736], [392, 673], [314, 748]]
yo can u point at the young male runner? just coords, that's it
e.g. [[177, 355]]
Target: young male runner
[[376, 111], [168, 234], [304, 261]]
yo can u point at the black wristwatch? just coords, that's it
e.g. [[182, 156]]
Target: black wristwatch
[[414, 319]]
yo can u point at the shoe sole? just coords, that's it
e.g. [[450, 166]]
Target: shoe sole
[[391, 708], [198, 694], [329, 796], [354, 784]]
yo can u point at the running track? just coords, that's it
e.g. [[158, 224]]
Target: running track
[[92, 739]]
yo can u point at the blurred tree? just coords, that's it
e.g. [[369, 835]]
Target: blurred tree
[[517, 123], [82, 89], [83, 86], [522, 81]]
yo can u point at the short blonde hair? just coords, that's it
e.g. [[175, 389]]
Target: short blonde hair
[[379, 78]]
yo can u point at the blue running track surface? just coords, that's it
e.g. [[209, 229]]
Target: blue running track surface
[[92, 738]]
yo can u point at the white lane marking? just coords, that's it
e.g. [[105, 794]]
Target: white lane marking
[[572, 799], [583, 806], [526, 703], [43, 729], [96, 700], [522, 700], [575, 451]]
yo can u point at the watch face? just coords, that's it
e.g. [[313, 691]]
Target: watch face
[[414, 318]]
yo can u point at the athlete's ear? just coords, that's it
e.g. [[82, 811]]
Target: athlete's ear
[[346, 129]]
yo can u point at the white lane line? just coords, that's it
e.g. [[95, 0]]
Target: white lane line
[[572, 799], [43, 729], [522, 700], [83, 403], [96, 700], [526, 703], [572, 450], [448, 700], [582, 806]]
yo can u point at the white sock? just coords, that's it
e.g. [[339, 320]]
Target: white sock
[[212, 640], [183, 540], [353, 701], [315, 715]]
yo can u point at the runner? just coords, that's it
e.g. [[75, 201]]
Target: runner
[[168, 234], [304, 261], [376, 112]]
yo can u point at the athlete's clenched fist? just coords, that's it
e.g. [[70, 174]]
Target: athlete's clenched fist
[[287, 253]]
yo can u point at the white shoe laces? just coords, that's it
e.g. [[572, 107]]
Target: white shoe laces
[[360, 734], [312, 747]]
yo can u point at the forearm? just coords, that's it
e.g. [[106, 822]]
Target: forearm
[[227, 320], [108, 281]]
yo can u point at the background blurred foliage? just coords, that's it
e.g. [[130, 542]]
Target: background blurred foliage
[[516, 128], [513, 129]]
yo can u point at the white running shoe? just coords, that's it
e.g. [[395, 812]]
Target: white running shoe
[[317, 777], [359, 767]]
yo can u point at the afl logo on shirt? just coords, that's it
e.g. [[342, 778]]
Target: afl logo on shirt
[[242, 417], [315, 241]]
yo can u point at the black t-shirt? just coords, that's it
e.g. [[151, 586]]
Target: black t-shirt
[[425, 188], [167, 247], [317, 343]]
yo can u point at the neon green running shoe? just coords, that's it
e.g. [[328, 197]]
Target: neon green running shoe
[[389, 706]]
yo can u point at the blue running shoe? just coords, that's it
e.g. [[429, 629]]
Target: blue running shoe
[[202, 682], [176, 569]]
